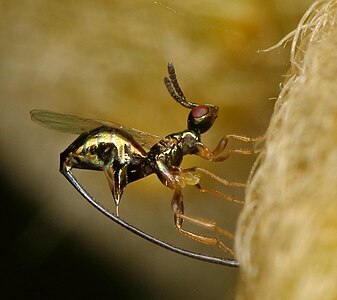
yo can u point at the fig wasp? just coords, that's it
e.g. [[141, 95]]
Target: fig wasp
[[126, 155]]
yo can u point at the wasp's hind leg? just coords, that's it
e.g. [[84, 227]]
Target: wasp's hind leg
[[179, 216]]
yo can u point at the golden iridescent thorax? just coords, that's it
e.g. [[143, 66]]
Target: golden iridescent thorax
[[173, 147]]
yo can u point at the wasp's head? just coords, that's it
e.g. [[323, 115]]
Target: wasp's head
[[202, 117]]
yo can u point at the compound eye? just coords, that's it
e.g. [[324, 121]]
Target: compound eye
[[199, 111]]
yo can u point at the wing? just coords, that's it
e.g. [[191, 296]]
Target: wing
[[78, 125], [62, 122]]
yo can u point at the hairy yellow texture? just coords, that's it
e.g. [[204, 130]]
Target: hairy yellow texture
[[286, 240]]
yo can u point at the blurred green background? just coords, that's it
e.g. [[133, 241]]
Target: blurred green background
[[107, 60]]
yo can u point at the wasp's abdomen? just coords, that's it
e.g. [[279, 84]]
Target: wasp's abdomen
[[101, 148]]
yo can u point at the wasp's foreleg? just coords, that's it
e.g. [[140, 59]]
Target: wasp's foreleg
[[214, 155]]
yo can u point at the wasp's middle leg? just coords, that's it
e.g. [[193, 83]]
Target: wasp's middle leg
[[179, 216], [186, 173]]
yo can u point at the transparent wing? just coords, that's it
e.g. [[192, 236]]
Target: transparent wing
[[62, 122], [78, 125]]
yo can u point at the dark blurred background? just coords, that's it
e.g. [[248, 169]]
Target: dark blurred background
[[107, 60]]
